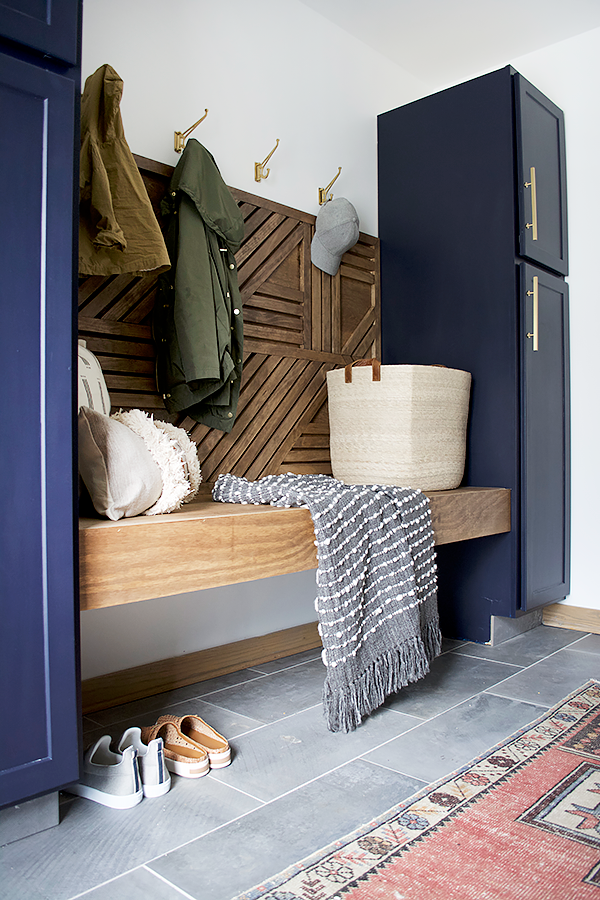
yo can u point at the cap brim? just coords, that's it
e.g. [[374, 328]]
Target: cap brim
[[322, 258]]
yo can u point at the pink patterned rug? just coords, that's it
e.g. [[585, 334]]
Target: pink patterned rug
[[521, 822]]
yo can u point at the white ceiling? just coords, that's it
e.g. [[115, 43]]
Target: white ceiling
[[442, 41]]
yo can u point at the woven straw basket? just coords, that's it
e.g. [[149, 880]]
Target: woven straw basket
[[400, 425]]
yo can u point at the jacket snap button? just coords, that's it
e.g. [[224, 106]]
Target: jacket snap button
[[230, 415], [236, 312], [173, 193], [231, 266]]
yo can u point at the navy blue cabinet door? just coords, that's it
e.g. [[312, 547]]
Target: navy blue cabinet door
[[545, 437], [49, 26], [38, 654], [540, 132]]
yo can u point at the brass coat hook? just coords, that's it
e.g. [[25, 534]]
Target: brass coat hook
[[259, 168], [323, 198], [181, 136]]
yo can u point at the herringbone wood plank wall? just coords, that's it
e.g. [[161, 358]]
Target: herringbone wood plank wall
[[298, 324]]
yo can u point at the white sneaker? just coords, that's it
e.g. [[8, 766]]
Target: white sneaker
[[156, 779], [112, 779]]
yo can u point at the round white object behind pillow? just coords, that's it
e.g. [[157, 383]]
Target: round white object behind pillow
[[92, 390]]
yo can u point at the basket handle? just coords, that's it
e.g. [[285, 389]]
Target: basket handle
[[376, 365]]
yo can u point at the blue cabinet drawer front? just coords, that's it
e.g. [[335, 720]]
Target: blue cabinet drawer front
[[50, 26], [542, 180]]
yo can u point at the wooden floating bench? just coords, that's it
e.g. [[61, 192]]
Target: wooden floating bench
[[207, 544]]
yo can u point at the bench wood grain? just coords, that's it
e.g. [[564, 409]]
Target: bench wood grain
[[208, 544]]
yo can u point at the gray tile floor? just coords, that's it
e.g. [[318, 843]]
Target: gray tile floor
[[293, 786]]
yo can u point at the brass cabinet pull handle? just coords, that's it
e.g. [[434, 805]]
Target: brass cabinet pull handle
[[535, 293], [533, 223]]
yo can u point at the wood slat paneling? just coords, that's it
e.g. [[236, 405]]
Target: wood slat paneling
[[298, 322]]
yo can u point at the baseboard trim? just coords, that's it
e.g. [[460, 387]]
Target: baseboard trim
[[138, 682], [576, 618]]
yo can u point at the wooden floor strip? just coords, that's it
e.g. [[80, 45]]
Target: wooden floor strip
[[577, 618]]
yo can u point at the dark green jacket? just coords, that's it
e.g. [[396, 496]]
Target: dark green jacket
[[198, 327]]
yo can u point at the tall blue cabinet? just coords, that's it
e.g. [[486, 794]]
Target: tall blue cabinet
[[473, 230], [39, 102]]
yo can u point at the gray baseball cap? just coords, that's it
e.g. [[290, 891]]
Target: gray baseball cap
[[337, 230]]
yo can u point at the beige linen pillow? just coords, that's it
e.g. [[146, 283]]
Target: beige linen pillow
[[116, 467]]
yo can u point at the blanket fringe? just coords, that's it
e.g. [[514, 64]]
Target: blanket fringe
[[346, 707]]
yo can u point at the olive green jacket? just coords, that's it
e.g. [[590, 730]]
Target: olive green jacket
[[118, 230], [197, 325]]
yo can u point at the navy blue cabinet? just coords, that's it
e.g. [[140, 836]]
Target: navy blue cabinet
[[39, 706], [458, 258]]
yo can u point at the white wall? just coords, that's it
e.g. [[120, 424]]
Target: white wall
[[269, 69], [266, 69]]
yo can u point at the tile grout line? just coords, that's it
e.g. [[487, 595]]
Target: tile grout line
[[129, 872], [500, 662], [239, 791], [104, 883], [261, 675], [170, 883], [520, 700], [398, 772], [528, 667]]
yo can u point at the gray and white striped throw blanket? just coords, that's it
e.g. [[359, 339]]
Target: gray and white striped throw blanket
[[376, 584]]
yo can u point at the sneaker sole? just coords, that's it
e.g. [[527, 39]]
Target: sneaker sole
[[187, 770], [219, 762], [156, 790], [115, 801]]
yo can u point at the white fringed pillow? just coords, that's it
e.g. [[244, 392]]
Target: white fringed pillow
[[174, 453]]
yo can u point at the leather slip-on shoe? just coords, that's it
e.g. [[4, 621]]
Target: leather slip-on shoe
[[154, 774], [109, 778], [182, 757], [200, 733]]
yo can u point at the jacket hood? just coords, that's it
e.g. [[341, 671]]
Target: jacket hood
[[100, 102], [198, 176]]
